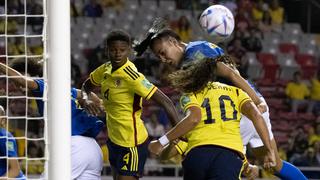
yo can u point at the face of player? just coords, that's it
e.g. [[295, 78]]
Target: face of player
[[169, 51], [118, 52]]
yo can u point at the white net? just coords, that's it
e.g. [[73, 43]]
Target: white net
[[23, 47]]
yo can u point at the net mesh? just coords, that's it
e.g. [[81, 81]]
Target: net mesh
[[22, 41]]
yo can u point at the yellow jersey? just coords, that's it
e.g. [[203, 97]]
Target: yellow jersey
[[122, 92], [315, 89], [298, 91], [221, 113]]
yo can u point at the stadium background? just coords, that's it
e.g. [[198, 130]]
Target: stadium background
[[269, 46]]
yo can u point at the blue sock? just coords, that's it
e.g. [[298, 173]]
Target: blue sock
[[290, 172]]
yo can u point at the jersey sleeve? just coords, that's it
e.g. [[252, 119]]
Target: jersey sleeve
[[141, 85], [74, 93], [188, 100], [97, 75], [242, 97], [203, 50], [39, 91], [12, 148], [181, 147]]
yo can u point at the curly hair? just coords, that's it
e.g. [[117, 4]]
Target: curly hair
[[34, 66], [118, 35], [194, 76]]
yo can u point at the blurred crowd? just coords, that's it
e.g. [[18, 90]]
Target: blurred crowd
[[254, 19]]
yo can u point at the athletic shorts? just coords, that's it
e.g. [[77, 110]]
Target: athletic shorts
[[128, 161], [212, 162], [86, 158], [249, 134]]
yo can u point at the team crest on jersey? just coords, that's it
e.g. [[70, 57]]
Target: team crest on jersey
[[146, 83], [185, 100], [117, 82], [199, 55], [10, 146]]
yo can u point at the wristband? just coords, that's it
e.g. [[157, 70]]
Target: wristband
[[164, 140]]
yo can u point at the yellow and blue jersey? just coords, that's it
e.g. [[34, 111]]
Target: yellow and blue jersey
[[123, 90], [8, 148], [221, 112], [81, 122]]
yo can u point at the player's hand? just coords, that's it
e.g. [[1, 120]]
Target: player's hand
[[270, 161], [155, 147], [92, 107], [251, 171], [263, 107]]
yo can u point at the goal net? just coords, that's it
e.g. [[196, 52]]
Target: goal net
[[23, 47]]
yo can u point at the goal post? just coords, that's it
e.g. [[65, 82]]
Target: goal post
[[59, 82]]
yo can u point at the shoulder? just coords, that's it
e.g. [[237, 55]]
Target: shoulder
[[130, 72]]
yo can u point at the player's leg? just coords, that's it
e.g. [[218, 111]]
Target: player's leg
[[127, 163], [87, 160], [228, 164], [197, 162], [283, 169]]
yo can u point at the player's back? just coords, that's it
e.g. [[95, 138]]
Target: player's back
[[200, 50], [220, 109]]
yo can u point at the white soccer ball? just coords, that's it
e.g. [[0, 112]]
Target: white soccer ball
[[217, 21]]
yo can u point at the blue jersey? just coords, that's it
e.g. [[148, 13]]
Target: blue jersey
[[200, 50], [82, 123], [204, 49], [8, 147]]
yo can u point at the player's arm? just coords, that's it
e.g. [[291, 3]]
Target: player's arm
[[94, 105], [225, 71], [167, 104], [168, 152], [250, 110], [18, 77], [13, 170], [191, 120]]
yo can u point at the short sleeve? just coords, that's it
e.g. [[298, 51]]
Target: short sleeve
[[181, 147], [74, 93], [202, 50], [188, 100], [39, 91], [142, 86], [242, 97], [97, 75]]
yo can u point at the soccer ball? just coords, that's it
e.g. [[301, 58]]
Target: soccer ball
[[217, 21]]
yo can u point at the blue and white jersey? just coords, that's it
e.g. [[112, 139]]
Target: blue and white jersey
[[204, 49], [82, 123], [8, 147], [200, 50]]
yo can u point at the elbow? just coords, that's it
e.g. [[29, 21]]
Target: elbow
[[195, 116]]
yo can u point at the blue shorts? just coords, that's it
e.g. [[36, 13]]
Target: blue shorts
[[212, 162], [128, 161]]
